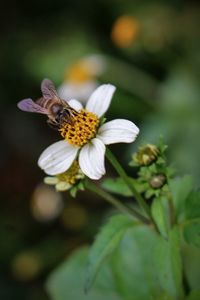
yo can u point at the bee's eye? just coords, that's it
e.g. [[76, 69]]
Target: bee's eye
[[66, 112], [56, 108]]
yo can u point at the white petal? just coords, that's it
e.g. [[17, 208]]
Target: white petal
[[62, 186], [91, 159], [57, 158], [51, 180], [75, 104], [100, 99], [118, 131]]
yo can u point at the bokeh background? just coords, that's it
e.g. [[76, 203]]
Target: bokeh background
[[149, 50]]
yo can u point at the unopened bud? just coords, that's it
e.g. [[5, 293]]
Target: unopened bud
[[157, 181], [146, 155]]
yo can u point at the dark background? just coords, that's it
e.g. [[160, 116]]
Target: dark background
[[157, 79]]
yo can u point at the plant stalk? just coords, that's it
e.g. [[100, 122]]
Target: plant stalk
[[115, 202], [113, 160]]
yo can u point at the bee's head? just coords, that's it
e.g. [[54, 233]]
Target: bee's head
[[56, 108]]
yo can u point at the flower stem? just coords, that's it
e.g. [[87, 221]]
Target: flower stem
[[113, 160], [172, 215], [115, 202]]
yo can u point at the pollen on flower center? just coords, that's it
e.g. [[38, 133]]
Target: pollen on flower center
[[82, 129]]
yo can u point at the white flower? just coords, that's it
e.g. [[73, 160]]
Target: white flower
[[85, 140], [80, 80], [77, 90], [66, 180]]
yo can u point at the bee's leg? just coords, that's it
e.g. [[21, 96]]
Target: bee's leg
[[53, 124]]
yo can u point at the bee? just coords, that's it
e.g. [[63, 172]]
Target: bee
[[57, 110]]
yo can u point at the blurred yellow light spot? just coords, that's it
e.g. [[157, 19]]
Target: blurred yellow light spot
[[74, 217], [125, 31], [46, 204], [78, 73], [26, 265], [85, 69]]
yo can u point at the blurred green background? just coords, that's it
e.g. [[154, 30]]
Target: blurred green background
[[149, 50]]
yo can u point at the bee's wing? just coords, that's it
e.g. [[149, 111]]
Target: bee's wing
[[30, 106], [48, 90]]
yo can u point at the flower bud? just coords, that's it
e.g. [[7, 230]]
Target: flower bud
[[146, 155], [157, 181]]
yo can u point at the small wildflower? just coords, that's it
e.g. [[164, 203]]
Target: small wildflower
[[83, 131], [86, 138], [66, 180], [146, 155], [80, 80], [125, 31]]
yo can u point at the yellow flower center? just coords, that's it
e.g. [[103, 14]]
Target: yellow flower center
[[72, 174], [82, 129]]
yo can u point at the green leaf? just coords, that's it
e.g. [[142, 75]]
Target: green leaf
[[133, 267], [191, 232], [194, 295], [106, 242], [118, 186], [180, 188], [129, 274], [192, 205], [191, 263], [168, 265], [159, 215], [67, 281], [163, 296], [73, 191], [191, 227]]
